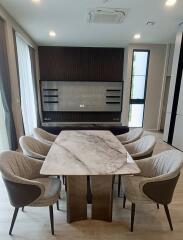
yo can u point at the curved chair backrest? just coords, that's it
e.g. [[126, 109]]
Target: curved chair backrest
[[167, 162], [17, 170], [142, 148], [131, 136], [33, 147], [44, 136], [166, 167]]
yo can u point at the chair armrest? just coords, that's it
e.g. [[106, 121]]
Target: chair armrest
[[142, 155], [30, 182], [36, 167], [146, 167], [35, 155], [136, 155]]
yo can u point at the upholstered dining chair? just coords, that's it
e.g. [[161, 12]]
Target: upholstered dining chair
[[25, 185], [33, 148], [142, 148], [44, 136], [130, 136], [156, 182]]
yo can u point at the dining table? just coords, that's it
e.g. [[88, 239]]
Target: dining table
[[94, 154]]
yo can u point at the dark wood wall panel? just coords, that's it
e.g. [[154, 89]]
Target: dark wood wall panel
[[81, 64]]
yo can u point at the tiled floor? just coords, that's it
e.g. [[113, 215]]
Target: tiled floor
[[150, 223]]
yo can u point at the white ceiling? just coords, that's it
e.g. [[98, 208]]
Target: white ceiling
[[68, 18]]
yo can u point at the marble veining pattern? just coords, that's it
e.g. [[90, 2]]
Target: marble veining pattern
[[88, 152]]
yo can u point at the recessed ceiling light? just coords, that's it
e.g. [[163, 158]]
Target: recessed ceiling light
[[52, 34], [36, 1], [170, 3], [137, 36]]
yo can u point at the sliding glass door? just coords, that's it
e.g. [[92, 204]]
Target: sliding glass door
[[138, 87], [27, 91]]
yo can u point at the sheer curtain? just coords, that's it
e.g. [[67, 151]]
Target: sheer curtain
[[34, 80], [8, 138], [4, 145], [28, 103]]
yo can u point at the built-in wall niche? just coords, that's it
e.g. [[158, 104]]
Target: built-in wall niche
[[81, 96], [62, 99]]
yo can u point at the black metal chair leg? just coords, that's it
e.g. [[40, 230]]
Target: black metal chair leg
[[13, 220], [22, 209], [124, 201], [66, 184], [113, 179], [51, 219], [119, 185], [157, 206], [59, 179], [89, 191], [63, 180], [58, 205], [168, 216], [132, 216]]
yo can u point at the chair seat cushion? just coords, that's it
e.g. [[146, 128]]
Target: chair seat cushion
[[52, 191], [131, 189]]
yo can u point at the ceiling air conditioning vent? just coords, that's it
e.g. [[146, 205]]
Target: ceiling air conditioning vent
[[107, 15]]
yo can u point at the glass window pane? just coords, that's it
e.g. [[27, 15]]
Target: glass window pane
[[138, 87], [140, 63], [136, 115]]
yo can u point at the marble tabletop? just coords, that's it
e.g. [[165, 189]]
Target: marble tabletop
[[88, 152]]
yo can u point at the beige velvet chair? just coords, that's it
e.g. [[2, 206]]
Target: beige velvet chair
[[141, 148], [25, 185], [33, 148], [44, 136], [130, 136], [156, 182]]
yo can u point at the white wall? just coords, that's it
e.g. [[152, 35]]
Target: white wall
[[155, 80], [166, 85], [10, 25]]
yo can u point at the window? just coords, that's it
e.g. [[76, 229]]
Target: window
[[138, 87], [27, 93]]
